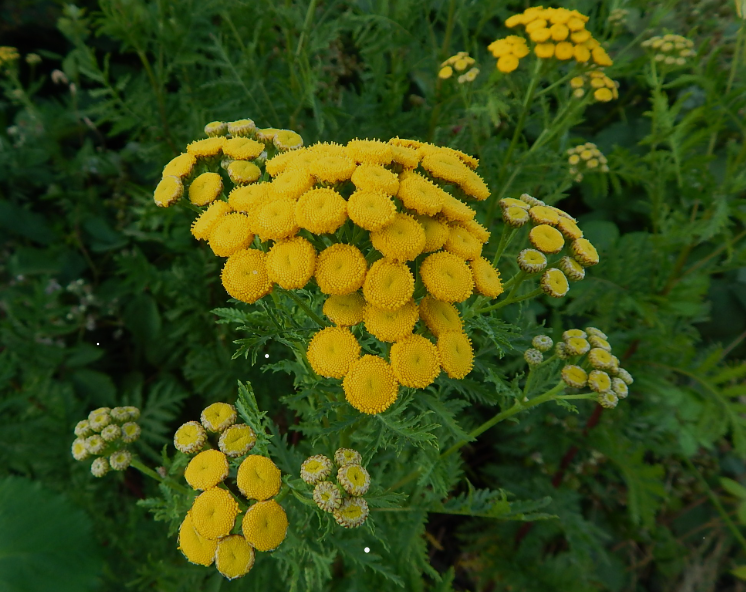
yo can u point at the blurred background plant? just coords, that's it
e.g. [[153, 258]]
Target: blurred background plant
[[107, 300]]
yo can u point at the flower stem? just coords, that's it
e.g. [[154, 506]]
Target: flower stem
[[136, 464], [505, 238], [509, 300], [306, 308]]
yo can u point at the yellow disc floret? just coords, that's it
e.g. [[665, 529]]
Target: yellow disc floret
[[390, 325], [321, 211], [419, 194], [370, 210], [190, 437], [214, 512], [203, 225], [554, 283], [463, 243], [258, 478], [584, 252], [374, 177], [400, 240], [207, 469], [332, 350], [436, 233], [439, 316], [415, 361], [486, 278], [230, 234], [291, 184], [207, 147], [196, 548], [388, 284], [245, 276], [369, 151], [291, 263], [168, 191], [243, 173], [340, 269], [234, 556], [218, 416], [237, 440], [546, 238], [346, 310], [447, 277], [370, 385], [181, 166], [265, 525], [242, 148], [456, 353], [276, 220]]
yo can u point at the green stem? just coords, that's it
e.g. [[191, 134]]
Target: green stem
[[136, 464], [532, 294], [306, 26], [283, 494], [306, 308], [505, 238]]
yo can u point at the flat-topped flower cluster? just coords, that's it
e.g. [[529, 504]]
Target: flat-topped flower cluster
[[105, 436]]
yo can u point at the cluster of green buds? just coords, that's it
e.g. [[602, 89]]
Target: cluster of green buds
[[219, 419], [590, 364], [342, 499], [617, 17], [586, 158], [669, 49], [106, 435]]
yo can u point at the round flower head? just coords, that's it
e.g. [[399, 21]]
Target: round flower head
[[619, 387], [248, 199], [388, 284], [291, 184], [295, 159], [181, 166], [95, 444], [243, 173], [530, 200], [600, 359], [245, 276], [439, 316], [346, 310], [321, 211], [533, 357], [265, 525], [332, 169], [599, 342], [315, 468], [584, 252], [242, 127], [542, 342], [196, 548], [234, 556], [508, 202], [96, 412], [230, 234], [599, 381], [375, 178], [608, 399], [205, 189], [560, 350], [214, 512], [168, 191], [574, 376], [577, 346], [216, 128], [419, 194], [436, 233], [625, 376], [390, 325], [99, 422], [275, 220], [543, 215], [291, 263], [190, 437], [79, 449], [455, 210], [515, 216], [206, 470], [120, 460], [451, 169], [288, 140], [554, 283], [546, 238], [486, 278], [266, 134], [83, 429], [371, 209], [445, 72], [340, 269], [242, 148], [354, 479], [456, 353], [447, 277], [408, 158], [415, 361], [370, 386], [569, 228], [532, 261], [573, 333], [596, 332], [347, 456], [218, 416], [572, 269], [111, 432], [332, 351], [258, 478], [237, 440], [119, 414], [400, 240], [476, 229], [100, 467], [327, 496], [463, 243], [352, 512], [369, 151]]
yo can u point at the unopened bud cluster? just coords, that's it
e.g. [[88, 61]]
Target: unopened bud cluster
[[618, 17], [604, 89], [669, 49], [584, 159], [344, 498], [232, 439], [459, 62], [106, 435]]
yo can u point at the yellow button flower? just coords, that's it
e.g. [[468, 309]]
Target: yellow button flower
[[242, 148], [190, 437], [315, 468], [203, 225], [243, 173], [265, 525], [291, 184], [369, 151], [370, 386], [340, 269], [546, 238], [196, 548], [439, 316], [205, 189], [420, 194], [455, 210], [415, 362], [371, 209], [354, 479], [400, 240], [237, 440], [456, 353], [346, 310], [249, 198], [245, 276], [207, 469], [554, 283], [436, 233], [291, 263], [405, 156], [390, 325], [276, 220], [347, 456], [388, 284], [321, 211], [230, 234], [352, 512], [375, 177], [258, 478], [574, 376], [213, 513], [599, 381], [447, 277], [168, 191], [572, 269], [327, 496], [584, 252], [507, 63], [287, 140], [463, 243], [207, 147], [218, 416], [234, 556], [486, 278], [332, 351], [181, 166]]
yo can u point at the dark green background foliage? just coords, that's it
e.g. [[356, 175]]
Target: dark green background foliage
[[108, 300]]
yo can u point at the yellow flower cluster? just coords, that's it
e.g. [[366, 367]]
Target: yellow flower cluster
[[106, 435], [617, 17], [552, 230], [459, 62], [604, 88], [8, 55], [669, 49], [555, 32], [342, 499], [205, 534], [592, 364], [397, 211], [586, 158]]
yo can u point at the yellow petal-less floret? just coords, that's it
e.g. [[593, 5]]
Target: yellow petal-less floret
[[258, 478], [205, 189], [436, 233], [584, 252], [345, 311], [332, 169], [374, 177], [455, 210], [168, 191], [291, 263], [340, 269], [369, 151], [415, 361], [245, 276], [285, 140], [241, 127], [400, 240], [242, 172], [234, 556], [218, 416], [249, 199], [207, 147], [554, 283], [315, 468], [190, 437], [390, 325], [354, 479], [214, 512], [231, 233], [276, 220], [370, 386], [440, 316], [332, 351], [352, 512], [569, 228], [574, 376], [181, 166], [543, 215], [265, 525], [486, 278], [291, 184], [456, 353], [206, 470], [479, 231], [242, 148], [463, 243], [196, 548], [388, 284], [419, 194], [237, 440], [371, 210], [572, 269], [321, 210], [285, 160], [447, 277], [546, 239], [203, 225], [405, 156]]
